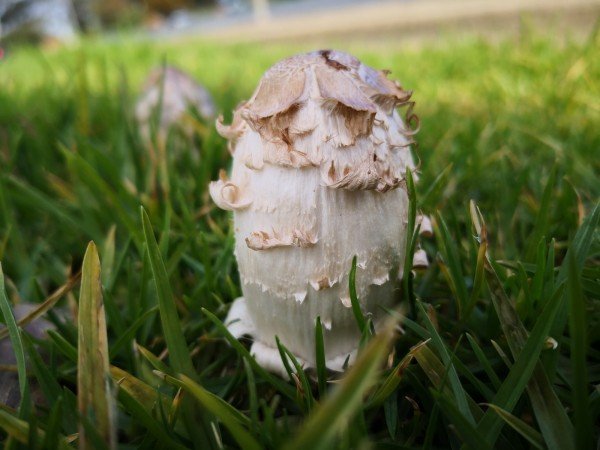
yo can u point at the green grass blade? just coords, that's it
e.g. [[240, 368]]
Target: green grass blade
[[140, 399], [15, 337], [579, 247], [390, 410], [358, 315], [282, 387], [48, 384], [299, 376], [346, 400], [229, 416], [438, 184], [104, 191], [32, 441], [457, 388], [532, 435], [541, 226], [537, 284], [285, 361], [252, 399], [431, 427], [463, 427], [484, 361], [436, 372], [392, 381], [154, 427], [64, 346], [578, 330], [93, 377], [410, 237], [4, 240], [19, 430], [51, 440], [129, 334], [143, 393], [478, 282], [550, 413], [466, 372], [154, 361], [320, 358], [451, 264], [179, 355], [39, 200], [108, 256]]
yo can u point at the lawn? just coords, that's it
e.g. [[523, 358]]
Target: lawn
[[500, 344]]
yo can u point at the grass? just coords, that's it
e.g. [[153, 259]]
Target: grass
[[510, 154]]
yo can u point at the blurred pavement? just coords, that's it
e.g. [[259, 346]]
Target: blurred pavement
[[306, 19]]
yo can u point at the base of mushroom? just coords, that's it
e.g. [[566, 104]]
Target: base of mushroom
[[239, 323]]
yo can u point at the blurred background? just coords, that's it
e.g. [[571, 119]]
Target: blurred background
[[61, 21]]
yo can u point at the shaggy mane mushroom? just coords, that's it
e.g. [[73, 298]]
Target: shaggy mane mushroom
[[320, 153]]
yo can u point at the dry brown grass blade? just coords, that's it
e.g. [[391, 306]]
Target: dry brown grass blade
[[93, 373], [47, 304]]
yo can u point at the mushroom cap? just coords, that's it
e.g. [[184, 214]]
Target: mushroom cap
[[325, 109], [340, 77]]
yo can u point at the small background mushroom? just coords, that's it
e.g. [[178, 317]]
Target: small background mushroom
[[169, 94], [169, 100]]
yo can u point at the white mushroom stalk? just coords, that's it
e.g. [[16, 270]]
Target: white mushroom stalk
[[320, 154]]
